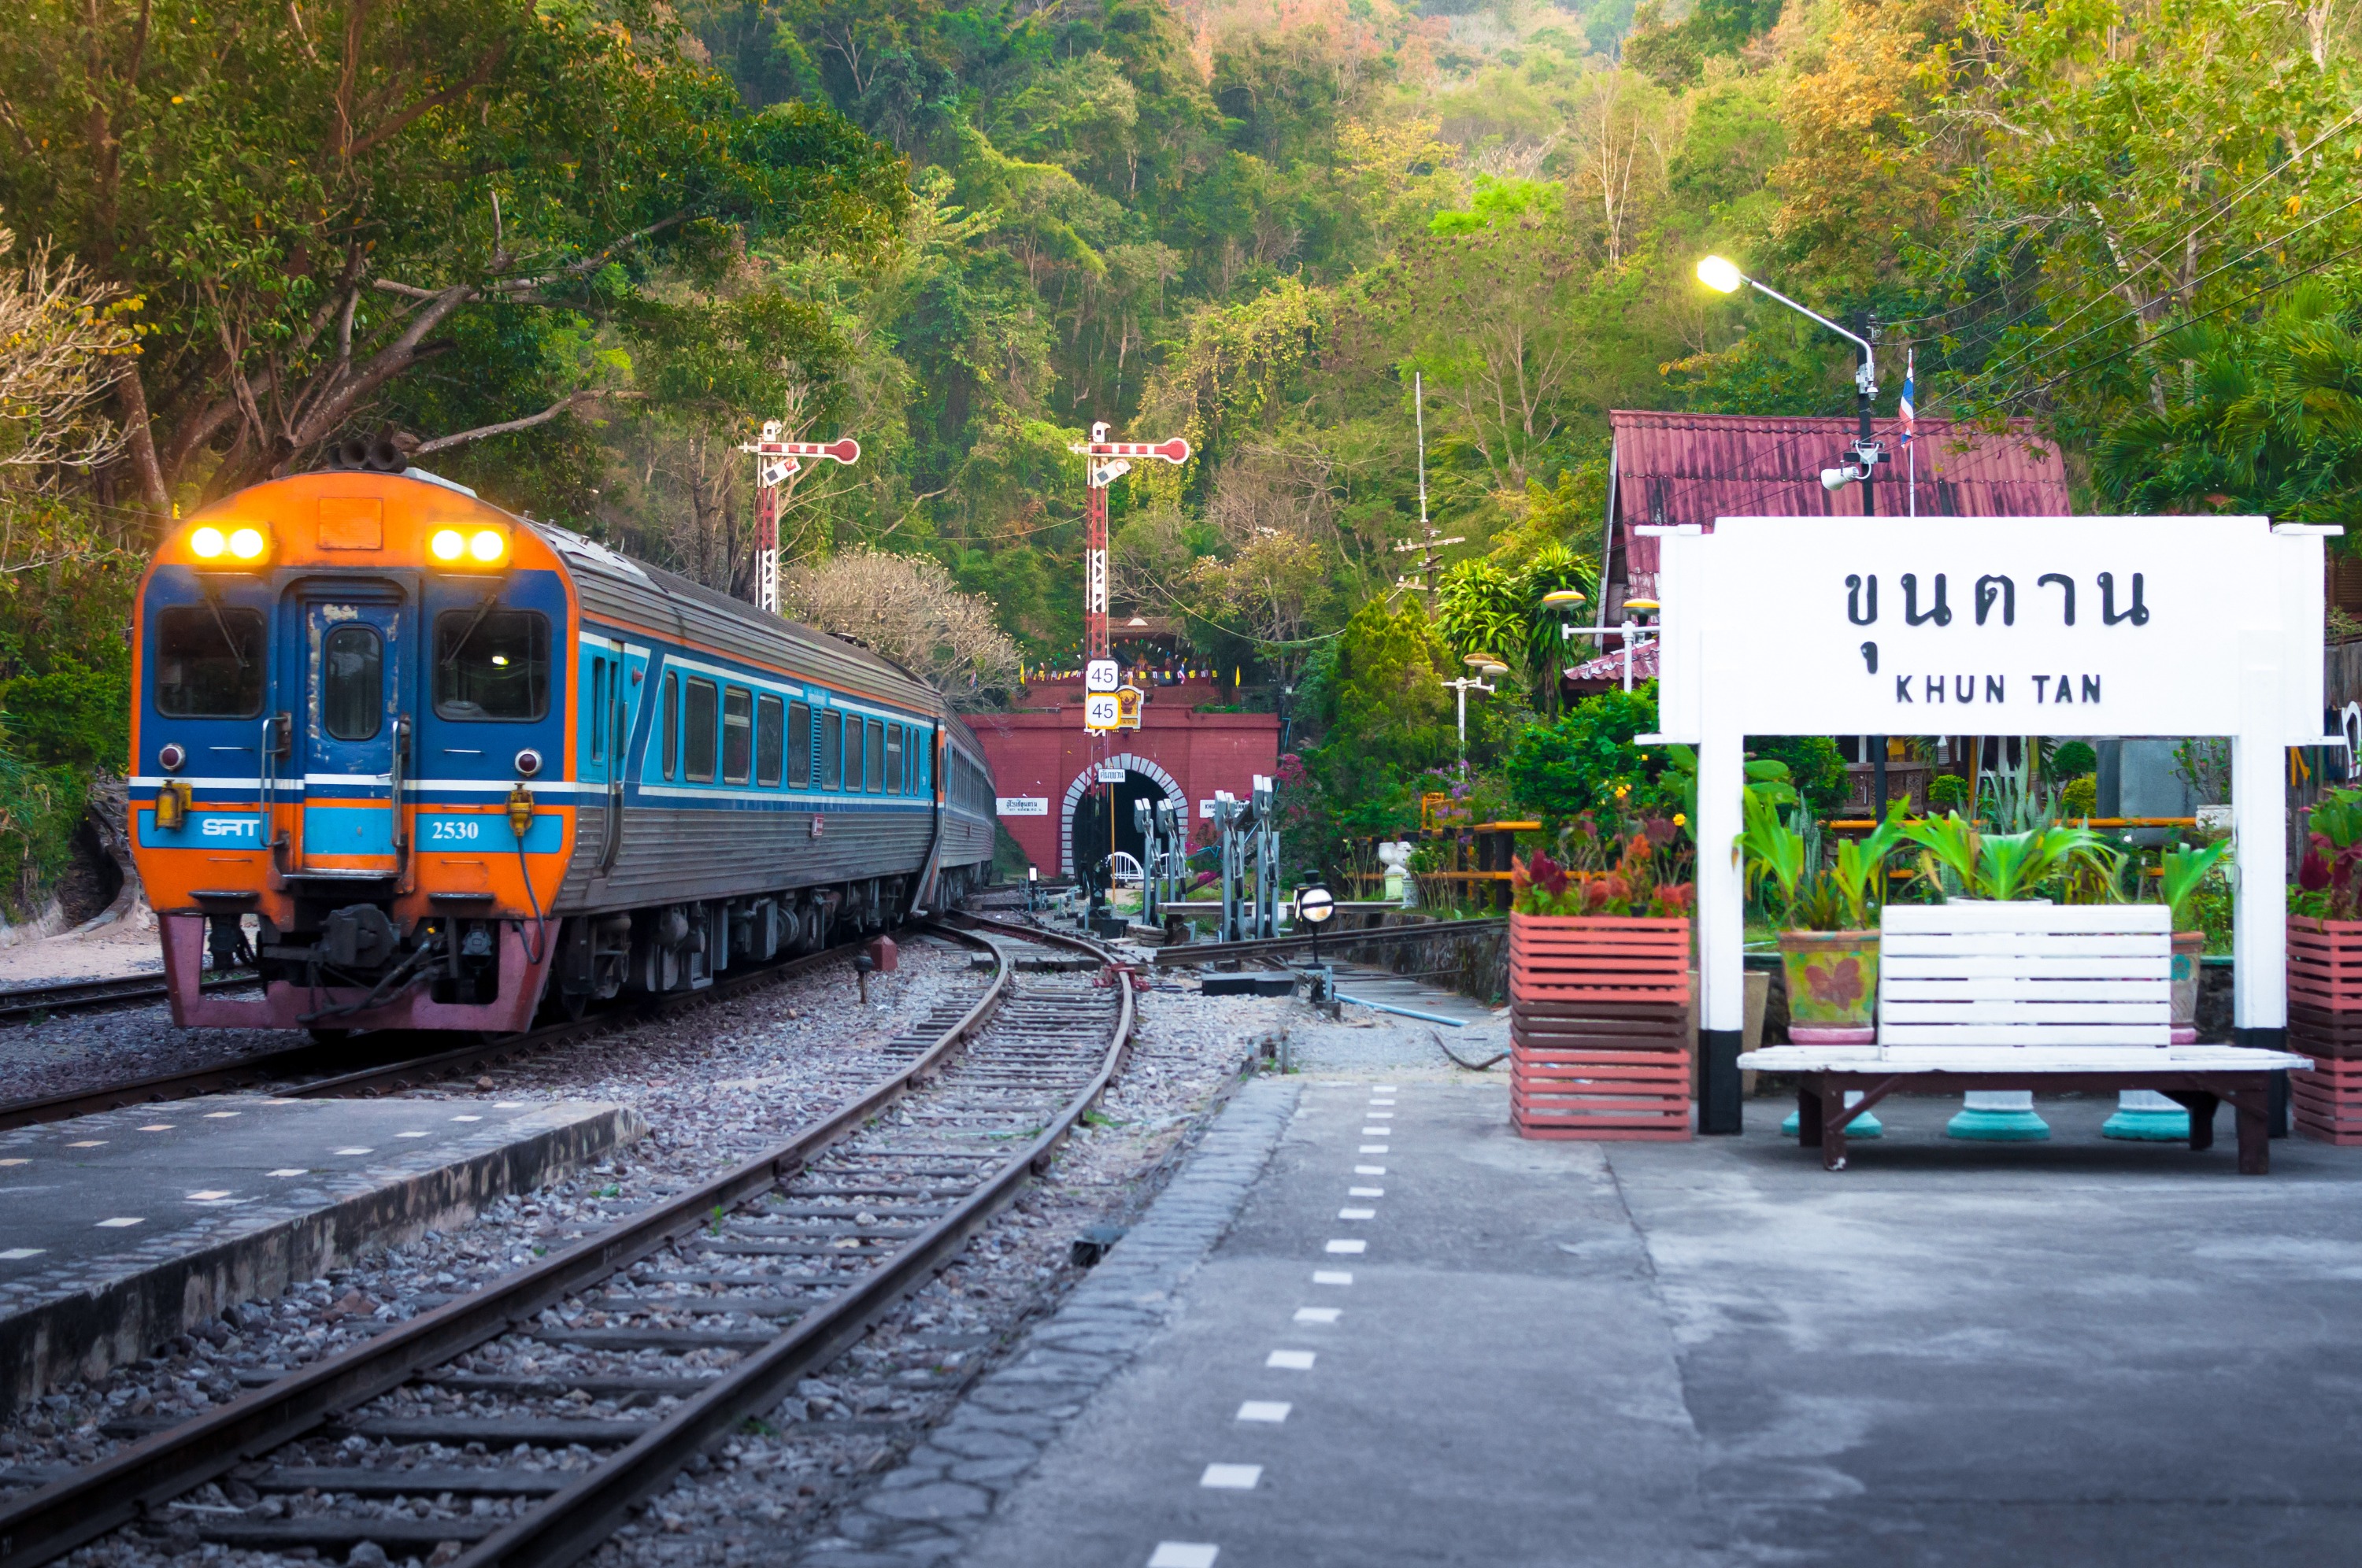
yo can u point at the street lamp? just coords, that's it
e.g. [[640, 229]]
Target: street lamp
[[1484, 665], [1629, 631], [1564, 600], [1724, 277]]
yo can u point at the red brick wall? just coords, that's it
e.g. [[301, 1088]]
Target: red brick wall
[[1040, 752]]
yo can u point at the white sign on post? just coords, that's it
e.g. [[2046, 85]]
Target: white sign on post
[[1099, 711], [1021, 805], [1111, 775], [1101, 675], [1996, 626]]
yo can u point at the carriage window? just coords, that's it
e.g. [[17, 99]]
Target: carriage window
[[598, 708], [671, 720], [852, 754], [209, 662], [352, 683], [491, 664], [799, 745], [876, 755], [767, 736], [697, 755], [893, 759], [831, 749], [737, 733]]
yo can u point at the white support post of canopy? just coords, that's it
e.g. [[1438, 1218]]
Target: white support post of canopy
[[2259, 835]]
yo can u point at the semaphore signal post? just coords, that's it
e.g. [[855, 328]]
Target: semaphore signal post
[[1106, 461], [776, 461]]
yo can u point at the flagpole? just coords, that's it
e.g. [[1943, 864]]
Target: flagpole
[[1911, 425]]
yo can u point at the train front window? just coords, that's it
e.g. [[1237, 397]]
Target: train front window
[[737, 733], [698, 752], [209, 662], [352, 683], [491, 664]]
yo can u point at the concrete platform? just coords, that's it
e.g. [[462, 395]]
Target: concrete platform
[[120, 1229], [1508, 1353]]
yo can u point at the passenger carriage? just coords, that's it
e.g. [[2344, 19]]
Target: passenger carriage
[[426, 763]]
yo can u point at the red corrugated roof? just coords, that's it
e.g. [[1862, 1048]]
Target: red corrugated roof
[[1695, 468]]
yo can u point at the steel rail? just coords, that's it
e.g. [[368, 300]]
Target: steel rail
[[65, 997], [1340, 941], [407, 1071], [148, 1474], [589, 1510]]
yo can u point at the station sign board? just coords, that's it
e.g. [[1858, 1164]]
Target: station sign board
[[1020, 805]]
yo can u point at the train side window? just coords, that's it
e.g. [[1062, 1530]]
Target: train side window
[[893, 759], [877, 774], [491, 664], [737, 733], [671, 719], [799, 745], [598, 708], [352, 683], [697, 754], [831, 749], [209, 662], [769, 735], [852, 754]]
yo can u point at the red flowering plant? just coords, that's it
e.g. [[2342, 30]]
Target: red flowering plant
[[1641, 866], [2327, 884]]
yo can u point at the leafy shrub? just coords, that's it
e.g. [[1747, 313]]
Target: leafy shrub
[[1948, 792], [1576, 765], [2073, 760], [2080, 797]]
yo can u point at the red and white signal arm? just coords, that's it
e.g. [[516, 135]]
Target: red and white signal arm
[[1101, 711]]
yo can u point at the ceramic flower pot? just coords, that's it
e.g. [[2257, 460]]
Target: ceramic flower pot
[[2187, 946], [1832, 985]]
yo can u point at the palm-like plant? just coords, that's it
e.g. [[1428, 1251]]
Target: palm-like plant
[[2185, 870], [2002, 865]]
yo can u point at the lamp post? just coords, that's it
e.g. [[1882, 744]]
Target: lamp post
[[1724, 277], [1629, 630], [1564, 600], [1485, 665]]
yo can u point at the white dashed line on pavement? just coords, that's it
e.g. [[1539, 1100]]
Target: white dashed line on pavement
[[1183, 1554], [1232, 1477], [1273, 1410], [1289, 1360], [1357, 1214], [119, 1224], [1369, 1170], [1318, 1314], [1366, 1192], [1332, 1276], [1373, 1149], [1348, 1246], [14, 1254]]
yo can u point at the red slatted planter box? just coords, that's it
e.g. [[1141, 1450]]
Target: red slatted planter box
[[2324, 982], [1599, 1027]]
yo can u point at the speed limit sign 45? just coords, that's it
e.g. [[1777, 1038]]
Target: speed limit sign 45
[[1101, 711]]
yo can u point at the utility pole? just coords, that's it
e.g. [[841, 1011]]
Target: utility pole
[[776, 462], [1865, 389], [1429, 544]]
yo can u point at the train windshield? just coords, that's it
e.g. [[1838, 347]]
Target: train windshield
[[491, 664], [209, 662]]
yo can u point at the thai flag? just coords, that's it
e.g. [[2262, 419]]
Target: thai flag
[[1908, 414]]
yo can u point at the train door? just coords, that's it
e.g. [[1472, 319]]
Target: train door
[[601, 746], [350, 745]]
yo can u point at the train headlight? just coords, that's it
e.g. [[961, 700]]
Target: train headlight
[[248, 544], [488, 546], [207, 543], [447, 544]]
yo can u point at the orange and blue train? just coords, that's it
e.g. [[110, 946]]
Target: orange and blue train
[[425, 764]]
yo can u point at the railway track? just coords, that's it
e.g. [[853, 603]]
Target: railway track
[[18, 1003], [400, 1061], [523, 1423]]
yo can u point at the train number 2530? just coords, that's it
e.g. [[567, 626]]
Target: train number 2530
[[448, 830]]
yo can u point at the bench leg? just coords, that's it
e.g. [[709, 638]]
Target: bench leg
[[2201, 1106], [1833, 1139], [2255, 1133], [1808, 1117]]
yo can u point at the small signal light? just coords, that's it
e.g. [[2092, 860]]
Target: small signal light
[[172, 757], [208, 543], [488, 546], [528, 763], [248, 543]]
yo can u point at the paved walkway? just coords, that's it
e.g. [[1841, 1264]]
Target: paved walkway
[[1425, 1341]]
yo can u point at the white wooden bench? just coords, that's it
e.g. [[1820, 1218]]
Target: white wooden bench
[[1977, 996]]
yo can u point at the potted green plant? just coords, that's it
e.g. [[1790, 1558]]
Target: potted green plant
[[1827, 918], [2184, 872]]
